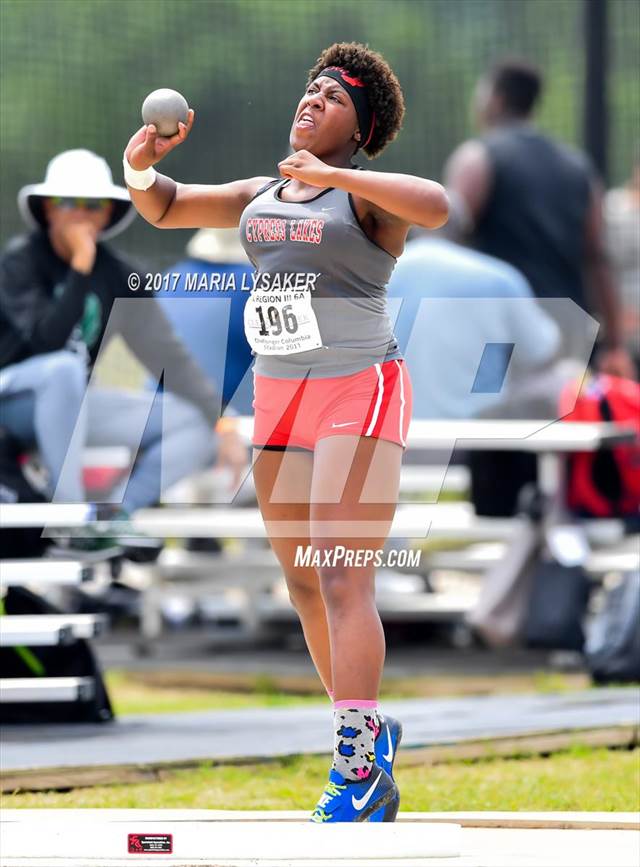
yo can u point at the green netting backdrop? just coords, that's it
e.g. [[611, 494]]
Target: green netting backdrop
[[74, 74]]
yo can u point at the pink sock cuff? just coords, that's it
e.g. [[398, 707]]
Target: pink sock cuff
[[365, 704]]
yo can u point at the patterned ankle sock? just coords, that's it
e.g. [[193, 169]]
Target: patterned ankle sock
[[356, 725]]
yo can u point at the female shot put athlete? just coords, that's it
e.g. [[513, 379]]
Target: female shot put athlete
[[332, 393]]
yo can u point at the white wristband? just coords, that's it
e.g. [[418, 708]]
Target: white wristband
[[138, 180]]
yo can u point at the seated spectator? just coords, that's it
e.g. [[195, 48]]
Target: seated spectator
[[453, 374], [63, 296], [478, 344]]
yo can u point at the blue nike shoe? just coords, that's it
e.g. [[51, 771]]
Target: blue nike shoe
[[386, 746], [347, 801]]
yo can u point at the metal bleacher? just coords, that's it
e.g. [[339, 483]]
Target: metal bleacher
[[243, 595], [43, 571], [58, 569], [477, 558], [47, 630], [244, 590], [15, 690]]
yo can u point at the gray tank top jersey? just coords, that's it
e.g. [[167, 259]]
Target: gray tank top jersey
[[322, 236]]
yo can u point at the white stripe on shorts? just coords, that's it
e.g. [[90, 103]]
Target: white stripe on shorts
[[402, 403], [378, 401]]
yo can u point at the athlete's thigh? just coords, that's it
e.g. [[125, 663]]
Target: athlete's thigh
[[354, 490], [283, 486]]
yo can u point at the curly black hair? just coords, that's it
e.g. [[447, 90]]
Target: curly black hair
[[385, 93]]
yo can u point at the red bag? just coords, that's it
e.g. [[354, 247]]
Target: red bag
[[605, 483]]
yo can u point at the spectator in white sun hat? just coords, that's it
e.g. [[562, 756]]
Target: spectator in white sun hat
[[58, 288]]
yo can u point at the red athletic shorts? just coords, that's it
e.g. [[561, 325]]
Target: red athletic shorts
[[296, 413]]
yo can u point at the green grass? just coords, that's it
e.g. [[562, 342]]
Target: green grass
[[131, 694], [579, 779], [174, 691]]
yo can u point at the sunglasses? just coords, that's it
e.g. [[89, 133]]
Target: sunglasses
[[68, 204]]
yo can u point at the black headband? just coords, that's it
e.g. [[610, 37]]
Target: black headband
[[357, 91]]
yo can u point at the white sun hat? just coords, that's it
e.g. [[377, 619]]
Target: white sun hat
[[77, 174]]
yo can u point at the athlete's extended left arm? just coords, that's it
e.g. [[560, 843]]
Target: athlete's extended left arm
[[411, 199]]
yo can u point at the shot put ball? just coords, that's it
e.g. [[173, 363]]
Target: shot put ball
[[164, 108]]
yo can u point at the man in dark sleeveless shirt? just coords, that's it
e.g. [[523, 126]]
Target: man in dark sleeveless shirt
[[536, 204]]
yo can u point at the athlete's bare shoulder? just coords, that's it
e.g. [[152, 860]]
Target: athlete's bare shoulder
[[253, 187], [264, 183]]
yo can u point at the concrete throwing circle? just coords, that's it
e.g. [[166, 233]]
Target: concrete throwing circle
[[124, 836]]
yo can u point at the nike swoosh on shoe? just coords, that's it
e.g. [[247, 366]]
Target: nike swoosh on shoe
[[361, 803], [388, 757]]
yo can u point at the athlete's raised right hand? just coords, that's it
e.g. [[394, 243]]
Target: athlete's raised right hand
[[146, 147]]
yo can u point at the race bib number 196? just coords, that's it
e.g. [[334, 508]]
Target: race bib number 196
[[281, 323]]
